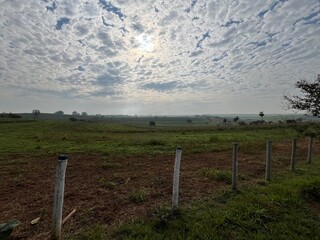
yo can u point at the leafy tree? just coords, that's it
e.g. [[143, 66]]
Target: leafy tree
[[84, 114], [225, 121], [189, 120], [310, 99], [59, 112], [35, 113], [75, 113], [261, 114], [236, 119]]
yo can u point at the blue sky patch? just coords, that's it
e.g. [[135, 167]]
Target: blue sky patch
[[161, 86], [204, 36], [107, 5], [61, 22]]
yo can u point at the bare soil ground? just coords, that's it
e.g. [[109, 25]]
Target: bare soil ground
[[27, 187]]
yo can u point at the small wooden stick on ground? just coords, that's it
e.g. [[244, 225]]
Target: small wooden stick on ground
[[69, 216]]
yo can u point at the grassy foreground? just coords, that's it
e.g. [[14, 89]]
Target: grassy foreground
[[286, 208]]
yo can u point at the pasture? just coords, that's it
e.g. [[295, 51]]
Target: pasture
[[119, 179]]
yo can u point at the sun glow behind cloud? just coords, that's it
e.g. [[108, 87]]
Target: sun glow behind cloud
[[145, 42]]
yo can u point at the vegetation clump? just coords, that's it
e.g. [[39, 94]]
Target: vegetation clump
[[152, 123], [73, 119], [155, 142], [215, 174], [139, 196], [309, 100]]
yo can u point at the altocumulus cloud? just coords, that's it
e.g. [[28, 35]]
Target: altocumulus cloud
[[118, 56]]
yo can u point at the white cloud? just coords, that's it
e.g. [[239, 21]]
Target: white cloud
[[134, 52]]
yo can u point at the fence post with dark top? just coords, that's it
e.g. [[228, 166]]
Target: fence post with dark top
[[58, 197]]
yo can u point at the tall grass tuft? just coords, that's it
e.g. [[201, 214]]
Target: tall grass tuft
[[215, 174]]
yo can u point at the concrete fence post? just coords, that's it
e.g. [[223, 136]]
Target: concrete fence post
[[235, 167], [293, 155], [58, 197], [310, 144], [268, 160], [176, 176]]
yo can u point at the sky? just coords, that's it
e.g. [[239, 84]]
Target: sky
[[155, 57]]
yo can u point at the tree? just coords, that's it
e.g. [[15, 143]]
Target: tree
[[74, 113], [189, 120], [225, 121], [35, 113], [59, 112], [152, 123], [261, 114], [236, 119], [310, 99], [84, 114]]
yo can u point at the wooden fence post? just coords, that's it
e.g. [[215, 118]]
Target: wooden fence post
[[268, 160], [310, 149], [176, 175], [58, 197], [235, 166], [293, 155]]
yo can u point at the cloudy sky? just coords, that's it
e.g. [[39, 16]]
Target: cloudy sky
[[155, 57]]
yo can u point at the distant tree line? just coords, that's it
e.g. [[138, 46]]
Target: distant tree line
[[10, 115]]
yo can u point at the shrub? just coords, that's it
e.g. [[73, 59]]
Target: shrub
[[73, 119], [155, 142], [152, 123], [164, 215]]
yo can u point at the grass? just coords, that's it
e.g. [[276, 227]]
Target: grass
[[39, 138], [139, 196], [215, 174], [268, 210], [110, 165], [274, 211], [94, 232], [107, 184]]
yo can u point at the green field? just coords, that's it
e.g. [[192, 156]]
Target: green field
[[53, 137], [287, 207]]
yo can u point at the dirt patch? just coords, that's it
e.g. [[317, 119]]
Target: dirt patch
[[315, 207], [112, 190]]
